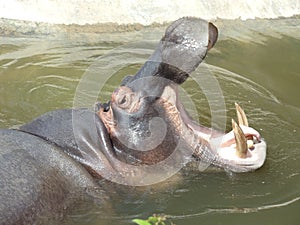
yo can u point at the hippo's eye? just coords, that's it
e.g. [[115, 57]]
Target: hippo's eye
[[126, 99], [123, 100]]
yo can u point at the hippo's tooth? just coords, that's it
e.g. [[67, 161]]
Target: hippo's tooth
[[242, 118], [240, 140]]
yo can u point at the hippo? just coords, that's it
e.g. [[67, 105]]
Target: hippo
[[141, 136]]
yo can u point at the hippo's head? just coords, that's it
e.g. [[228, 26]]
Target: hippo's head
[[146, 120], [139, 126], [146, 130]]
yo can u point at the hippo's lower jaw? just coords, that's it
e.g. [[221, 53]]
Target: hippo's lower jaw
[[254, 159], [240, 150]]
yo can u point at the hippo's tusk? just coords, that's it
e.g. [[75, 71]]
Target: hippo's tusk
[[240, 140], [242, 118]]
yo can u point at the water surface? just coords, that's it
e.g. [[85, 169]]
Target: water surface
[[255, 63]]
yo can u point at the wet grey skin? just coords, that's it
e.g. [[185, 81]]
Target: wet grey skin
[[63, 152]]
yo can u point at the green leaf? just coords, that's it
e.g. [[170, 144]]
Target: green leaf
[[153, 219], [141, 222]]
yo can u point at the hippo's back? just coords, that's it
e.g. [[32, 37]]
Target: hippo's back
[[37, 179]]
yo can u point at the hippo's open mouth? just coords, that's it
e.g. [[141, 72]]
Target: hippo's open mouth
[[240, 150]]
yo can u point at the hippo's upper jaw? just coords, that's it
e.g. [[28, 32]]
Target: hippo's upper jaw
[[180, 51]]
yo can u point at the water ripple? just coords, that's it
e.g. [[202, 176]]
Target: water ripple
[[48, 85], [241, 81], [235, 210], [65, 78]]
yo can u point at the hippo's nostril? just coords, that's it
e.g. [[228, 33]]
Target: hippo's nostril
[[213, 35], [106, 106]]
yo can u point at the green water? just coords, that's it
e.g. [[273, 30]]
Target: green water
[[256, 65]]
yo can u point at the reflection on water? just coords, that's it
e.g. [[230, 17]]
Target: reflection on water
[[259, 70]]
